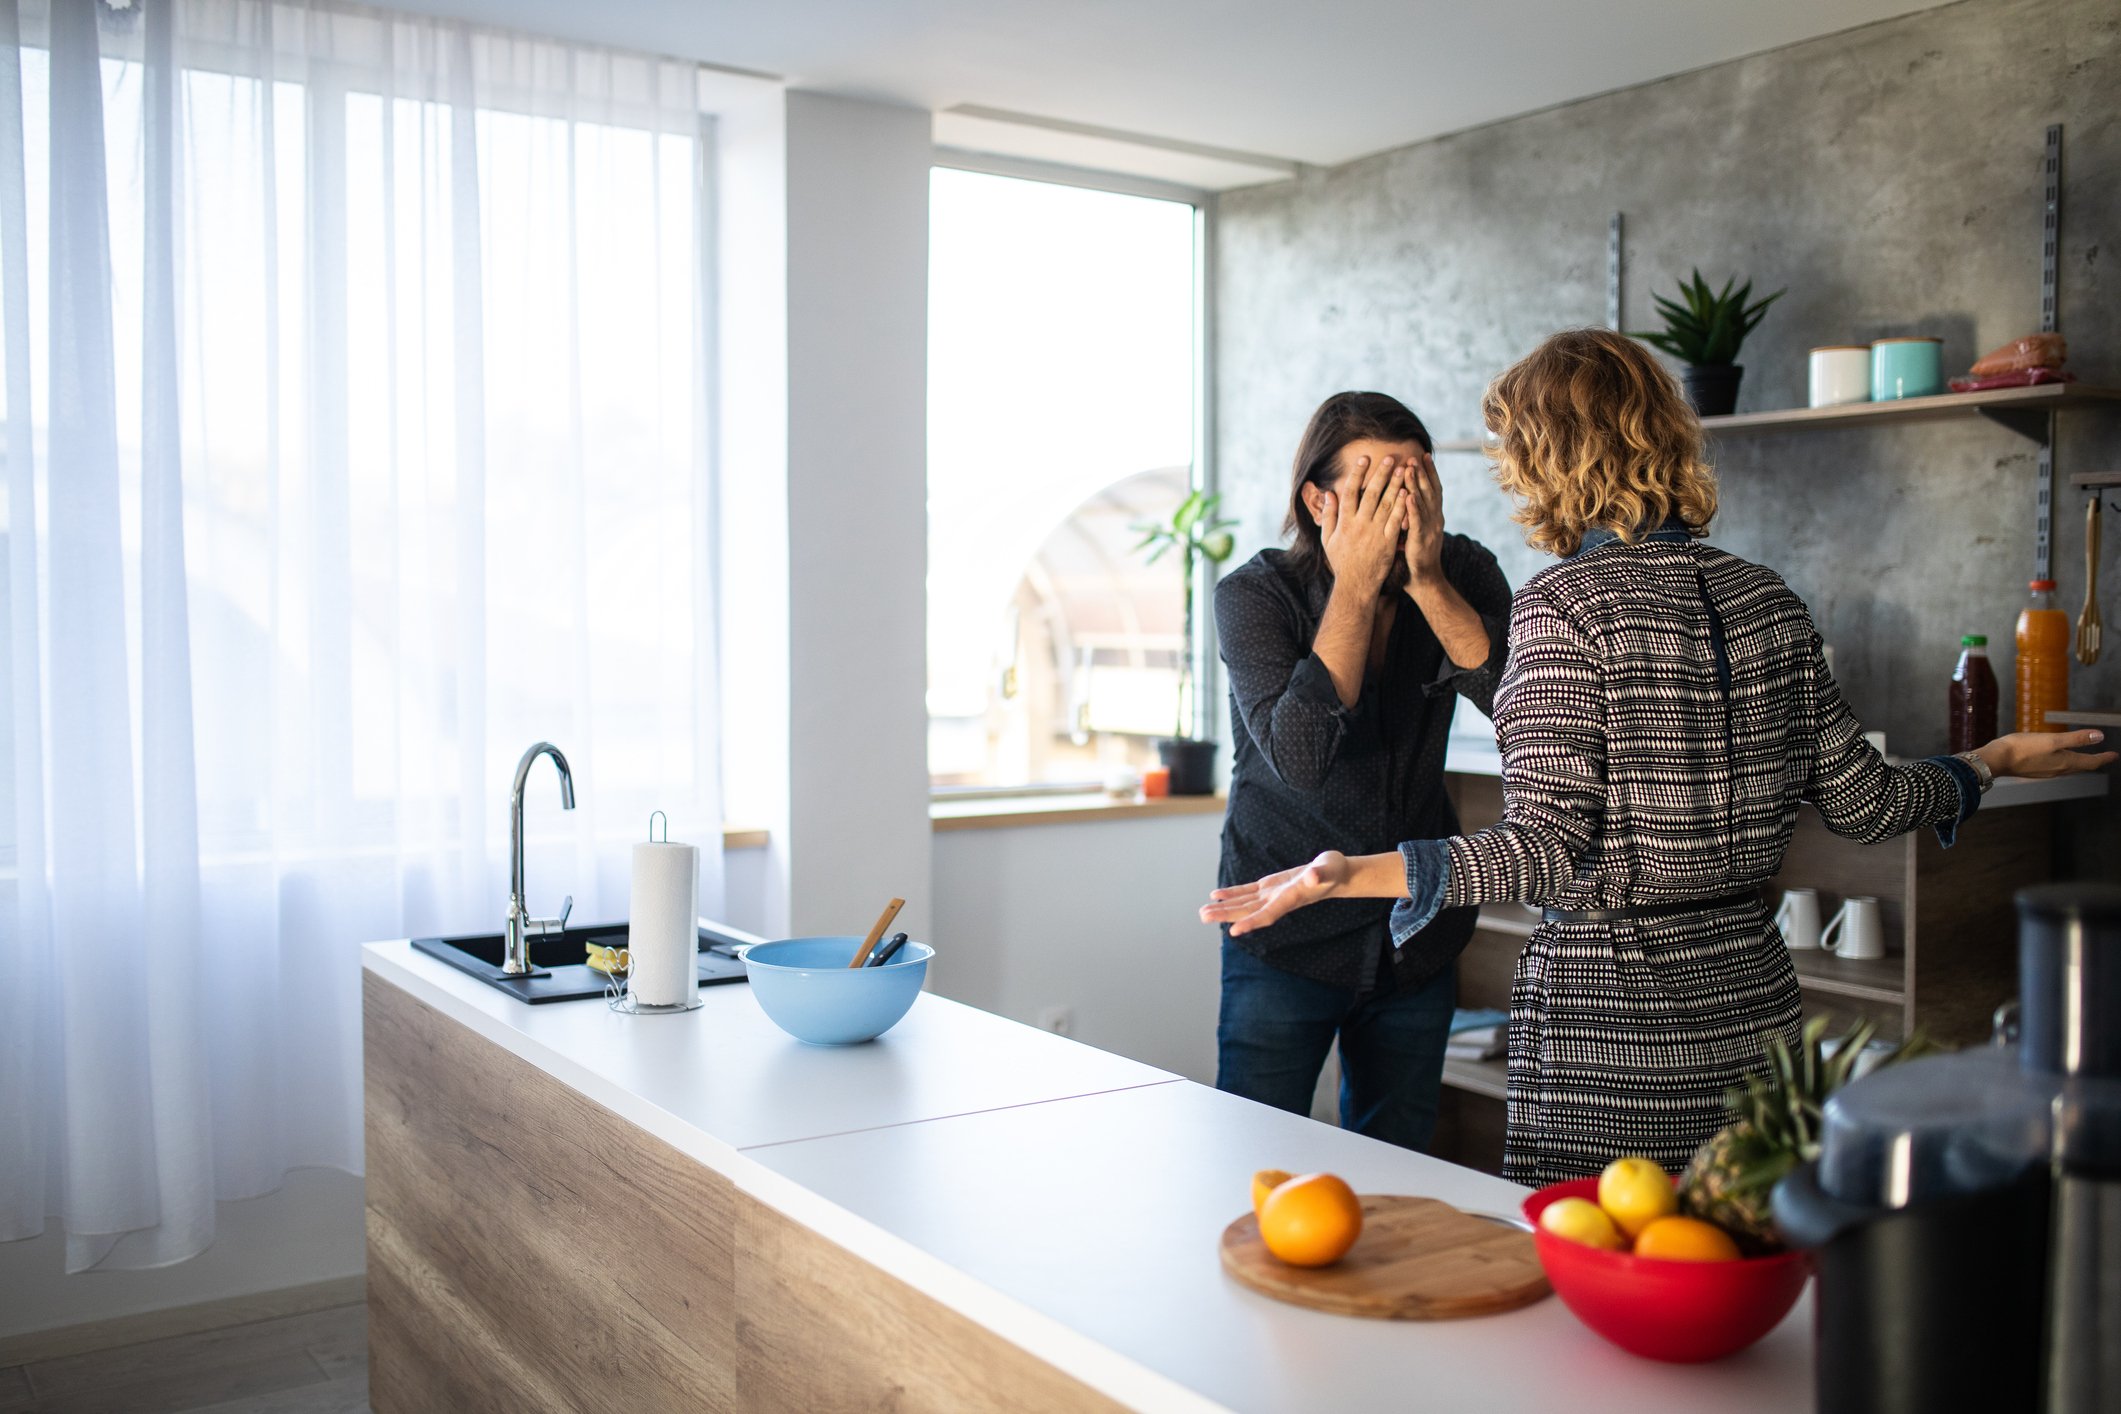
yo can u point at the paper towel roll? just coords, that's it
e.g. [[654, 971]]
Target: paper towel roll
[[663, 927]]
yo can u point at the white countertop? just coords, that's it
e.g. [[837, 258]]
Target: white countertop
[[1070, 1200]]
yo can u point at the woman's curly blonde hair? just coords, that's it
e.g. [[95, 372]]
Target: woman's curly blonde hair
[[1589, 432]]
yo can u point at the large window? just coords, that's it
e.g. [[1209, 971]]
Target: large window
[[1062, 385]]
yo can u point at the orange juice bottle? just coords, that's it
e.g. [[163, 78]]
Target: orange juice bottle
[[2043, 660]]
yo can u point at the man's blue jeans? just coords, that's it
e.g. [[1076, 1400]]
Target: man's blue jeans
[[1276, 1027]]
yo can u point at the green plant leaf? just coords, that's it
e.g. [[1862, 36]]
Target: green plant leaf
[[1217, 546], [1158, 552], [1706, 326], [1189, 510]]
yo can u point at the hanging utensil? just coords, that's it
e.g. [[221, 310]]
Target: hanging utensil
[[2088, 625]]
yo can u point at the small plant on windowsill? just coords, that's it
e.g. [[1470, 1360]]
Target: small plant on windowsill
[[1198, 536], [1705, 333]]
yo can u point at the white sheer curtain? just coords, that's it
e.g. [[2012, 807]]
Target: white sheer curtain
[[356, 437]]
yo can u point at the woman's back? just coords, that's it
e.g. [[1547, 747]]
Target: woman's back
[[1718, 719]]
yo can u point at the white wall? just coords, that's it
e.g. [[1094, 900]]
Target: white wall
[[1099, 918], [857, 513]]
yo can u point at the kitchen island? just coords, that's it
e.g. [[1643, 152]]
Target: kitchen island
[[573, 1209]]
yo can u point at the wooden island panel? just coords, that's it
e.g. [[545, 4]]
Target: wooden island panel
[[530, 1250]]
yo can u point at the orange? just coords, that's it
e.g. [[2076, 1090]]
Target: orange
[[1311, 1221], [1686, 1240], [1265, 1182]]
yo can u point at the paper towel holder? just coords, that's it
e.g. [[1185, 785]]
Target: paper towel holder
[[618, 994]]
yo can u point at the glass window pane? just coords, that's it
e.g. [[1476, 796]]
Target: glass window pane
[[1060, 413]]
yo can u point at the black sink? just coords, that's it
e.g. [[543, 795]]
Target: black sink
[[560, 972]]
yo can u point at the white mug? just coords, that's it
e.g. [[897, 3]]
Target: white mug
[[1798, 918], [1841, 373], [1858, 930]]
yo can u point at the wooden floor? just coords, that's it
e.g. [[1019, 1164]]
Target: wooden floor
[[310, 1364]]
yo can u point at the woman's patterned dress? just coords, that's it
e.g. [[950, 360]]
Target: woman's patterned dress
[[1665, 710]]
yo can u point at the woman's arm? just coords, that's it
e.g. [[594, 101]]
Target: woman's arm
[[1550, 719], [1862, 797], [1550, 724]]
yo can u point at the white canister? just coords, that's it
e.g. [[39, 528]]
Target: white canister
[[1841, 373]]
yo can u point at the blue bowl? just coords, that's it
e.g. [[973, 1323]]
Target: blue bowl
[[807, 988]]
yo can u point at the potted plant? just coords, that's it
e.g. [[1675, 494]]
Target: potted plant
[[1197, 535], [1705, 333]]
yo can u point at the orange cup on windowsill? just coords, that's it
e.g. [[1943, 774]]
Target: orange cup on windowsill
[[1156, 782]]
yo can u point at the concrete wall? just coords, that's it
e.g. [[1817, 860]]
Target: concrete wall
[[1887, 176]]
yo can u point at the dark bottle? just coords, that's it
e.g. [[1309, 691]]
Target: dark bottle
[[1973, 696]]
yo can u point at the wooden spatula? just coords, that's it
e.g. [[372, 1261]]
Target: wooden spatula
[[2089, 629], [869, 943]]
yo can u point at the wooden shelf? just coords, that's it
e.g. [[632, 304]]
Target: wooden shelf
[[1489, 1078], [1999, 403], [2016, 408], [1882, 979], [1012, 812]]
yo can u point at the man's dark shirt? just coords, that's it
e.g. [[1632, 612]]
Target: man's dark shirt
[[1309, 774]]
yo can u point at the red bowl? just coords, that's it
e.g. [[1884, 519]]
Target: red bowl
[[1682, 1312]]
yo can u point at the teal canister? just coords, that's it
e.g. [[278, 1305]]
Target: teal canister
[[1906, 368]]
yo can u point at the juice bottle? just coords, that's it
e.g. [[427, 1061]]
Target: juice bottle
[[2043, 659], [1973, 696]]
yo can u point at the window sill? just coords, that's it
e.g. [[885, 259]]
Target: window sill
[[741, 837], [1011, 812]]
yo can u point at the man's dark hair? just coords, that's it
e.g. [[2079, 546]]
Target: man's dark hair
[[1340, 419]]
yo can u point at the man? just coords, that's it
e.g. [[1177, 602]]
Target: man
[[1345, 653]]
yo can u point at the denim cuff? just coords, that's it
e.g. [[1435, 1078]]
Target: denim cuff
[[1428, 876], [1969, 786]]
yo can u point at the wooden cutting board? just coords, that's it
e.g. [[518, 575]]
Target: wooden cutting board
[[1418, 1260]]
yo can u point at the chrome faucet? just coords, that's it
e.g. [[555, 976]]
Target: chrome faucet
[[521, 926]]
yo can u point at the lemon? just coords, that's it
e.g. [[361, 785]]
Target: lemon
[[1635, 1193], [1581, 1220]]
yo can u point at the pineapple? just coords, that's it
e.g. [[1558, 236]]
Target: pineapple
[[1777, 1116]]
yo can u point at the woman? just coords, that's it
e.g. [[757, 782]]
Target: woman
[[1665, 709], [1345, 654]]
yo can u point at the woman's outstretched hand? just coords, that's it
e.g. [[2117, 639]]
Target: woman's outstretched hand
[[1255, 905], [2039, 755]]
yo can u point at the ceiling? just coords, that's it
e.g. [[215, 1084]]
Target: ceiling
[[1311, 81]]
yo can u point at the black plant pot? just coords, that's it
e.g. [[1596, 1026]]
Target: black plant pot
[[1192, 764], [1713, 387]]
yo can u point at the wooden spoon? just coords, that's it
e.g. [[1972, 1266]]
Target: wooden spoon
[[869, 943]]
